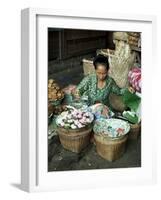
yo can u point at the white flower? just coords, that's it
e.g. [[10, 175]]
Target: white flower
[[81, 121], [73, 126], [69, 116], [86, 114], [79, 116], [70, 121], [88, 120], [76, 122], [74, 112]]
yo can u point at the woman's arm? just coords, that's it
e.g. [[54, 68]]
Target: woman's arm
[[83, 86]]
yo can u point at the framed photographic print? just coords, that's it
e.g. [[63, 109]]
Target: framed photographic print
[[87, 114]]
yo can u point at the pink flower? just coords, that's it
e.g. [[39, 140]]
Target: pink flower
[[80, 125], [62, 124], [82, 121]]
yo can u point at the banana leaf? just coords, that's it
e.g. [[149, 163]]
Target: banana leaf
[[131, 100], [131, 117]]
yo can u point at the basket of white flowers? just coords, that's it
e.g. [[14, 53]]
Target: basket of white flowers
[[74, 128]]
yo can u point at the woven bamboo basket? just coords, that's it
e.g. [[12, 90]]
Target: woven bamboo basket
[[117, 103], [75, 140], [133, 39], [105, 52], [120, 36], [135, 131], [134, 34], [109, 148], [88, 66], [120, 62]]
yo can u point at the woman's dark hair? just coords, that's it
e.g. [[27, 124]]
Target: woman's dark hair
[[100, 59]]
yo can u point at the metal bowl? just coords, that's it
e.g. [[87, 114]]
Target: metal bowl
[[110, 127]]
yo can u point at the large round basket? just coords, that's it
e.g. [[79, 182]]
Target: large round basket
[[110, 142], [117, 103], [75, 140], [135, 130], [88, 66], [109, 148]]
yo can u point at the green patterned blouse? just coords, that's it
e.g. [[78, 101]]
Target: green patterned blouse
[[88, 87]]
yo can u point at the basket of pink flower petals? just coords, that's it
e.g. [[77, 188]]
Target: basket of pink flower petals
[[74, 128]]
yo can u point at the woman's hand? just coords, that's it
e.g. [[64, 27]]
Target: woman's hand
[[131, 90]]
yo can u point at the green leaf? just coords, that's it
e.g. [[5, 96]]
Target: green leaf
[[132, 101], [131, 118]]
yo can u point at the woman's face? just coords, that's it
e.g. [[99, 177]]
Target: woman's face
[[101, 72]]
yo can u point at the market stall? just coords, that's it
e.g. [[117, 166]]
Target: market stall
[[78, 124]]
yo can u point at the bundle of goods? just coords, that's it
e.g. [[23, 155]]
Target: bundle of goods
[[134, 78], [55, 94], [74, 129], [80, 104], [134, 39], [120, 36], [134, 34], [131, 116], [110, 137], [135, 124], [105, 52], [68, 91], [74, 118], [133, 102], [88, 66], [101, 111], [121, 59]]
